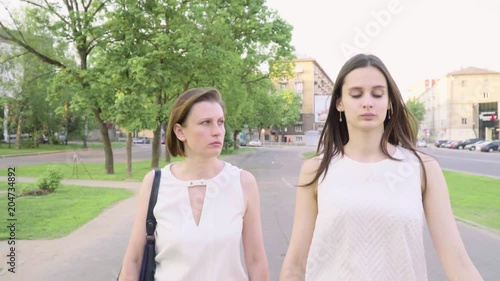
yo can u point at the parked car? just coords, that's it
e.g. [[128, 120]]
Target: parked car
[[446, 144], [255, 142], [142, 140], [474, 146], [454, 144], [421, 143], [438, 143], [466, 142], [490, 147]]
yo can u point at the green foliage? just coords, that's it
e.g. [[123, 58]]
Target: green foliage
[[417, 109], [50, 179], [228, 140], [288, 107]]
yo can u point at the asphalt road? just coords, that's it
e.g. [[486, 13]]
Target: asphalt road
[[475, 162], [98, 246], [277, 170]]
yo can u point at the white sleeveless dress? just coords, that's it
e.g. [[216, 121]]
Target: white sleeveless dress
[[370, 222], [211, 251]]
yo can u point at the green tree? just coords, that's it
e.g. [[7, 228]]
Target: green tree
[[167, 47], [417, 109], [29, 83], [288, 105], [76, 23]]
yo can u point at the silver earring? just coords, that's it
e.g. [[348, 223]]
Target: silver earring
[[340, 119]]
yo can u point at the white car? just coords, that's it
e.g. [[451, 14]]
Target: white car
[[254, 142], [474, 146], [421, 143]]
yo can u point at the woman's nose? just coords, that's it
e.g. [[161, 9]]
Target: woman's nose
[[367, 103]]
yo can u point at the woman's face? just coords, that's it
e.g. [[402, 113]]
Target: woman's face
[[203, 131], [365, 99]]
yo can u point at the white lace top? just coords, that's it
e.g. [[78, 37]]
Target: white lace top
[[370, 222]]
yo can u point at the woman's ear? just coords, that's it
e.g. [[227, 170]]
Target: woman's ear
[[339, 106], [179, 132]]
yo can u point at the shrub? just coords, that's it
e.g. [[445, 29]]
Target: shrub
[[50, 180]]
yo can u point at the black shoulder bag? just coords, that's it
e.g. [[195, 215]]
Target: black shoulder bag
[[148, 266]]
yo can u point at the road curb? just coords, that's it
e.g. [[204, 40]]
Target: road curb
[[49, 152], [492, 231], [34, 154]]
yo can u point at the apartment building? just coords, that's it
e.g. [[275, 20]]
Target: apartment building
[[462, 104], [315, 87]]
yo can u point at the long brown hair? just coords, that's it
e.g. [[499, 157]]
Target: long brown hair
[[400, 129]]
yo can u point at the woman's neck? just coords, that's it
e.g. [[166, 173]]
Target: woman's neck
[[193, 169], [365, 146]]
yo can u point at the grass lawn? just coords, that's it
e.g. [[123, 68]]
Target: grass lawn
[[5, 150], [309, 154], [475, 198], [96, 170], [58, 214]]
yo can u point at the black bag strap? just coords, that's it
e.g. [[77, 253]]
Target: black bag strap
[[150, 219]]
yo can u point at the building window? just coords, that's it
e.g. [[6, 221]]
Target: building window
[[299, 86], [298, 77], [298, 128], [464, 121], [464, 83], [298, 139], [486, 95], [282, 86]]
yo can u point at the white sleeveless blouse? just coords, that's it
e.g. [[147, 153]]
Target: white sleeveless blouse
[[211, 251], [370, 222]]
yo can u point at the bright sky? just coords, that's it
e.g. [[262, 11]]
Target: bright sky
[[416, 39]]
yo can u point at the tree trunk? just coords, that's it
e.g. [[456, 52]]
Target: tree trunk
[[6, 134], [36, 136], [17, 144], [167, 154], [85, 132], [235, 138], [129, 154], [108, 151], [156, 149]]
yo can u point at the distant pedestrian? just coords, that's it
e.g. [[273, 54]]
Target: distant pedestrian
[[363, 200], [206, 208]]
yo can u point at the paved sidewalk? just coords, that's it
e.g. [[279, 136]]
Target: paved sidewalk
[[99, 244], [39, 260]]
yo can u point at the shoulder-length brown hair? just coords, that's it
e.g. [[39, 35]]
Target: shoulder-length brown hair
[[180, 111], [400, 129]]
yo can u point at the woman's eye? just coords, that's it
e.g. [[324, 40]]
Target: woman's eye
[[221, 122], [356, 94]]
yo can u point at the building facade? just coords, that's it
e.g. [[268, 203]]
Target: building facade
[[315, 87], [463, 104]]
